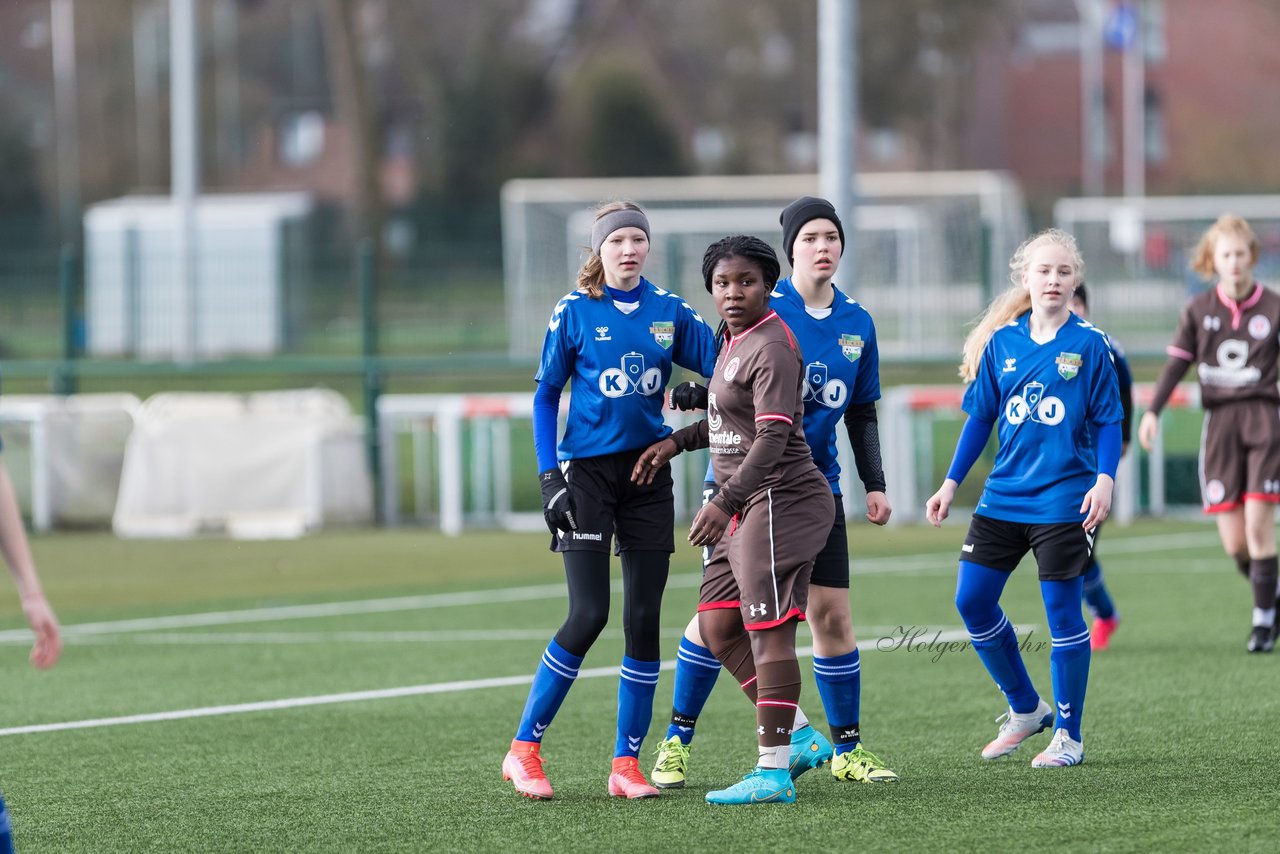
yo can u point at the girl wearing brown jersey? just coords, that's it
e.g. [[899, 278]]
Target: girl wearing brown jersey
[[772, 497], [1230, 333]]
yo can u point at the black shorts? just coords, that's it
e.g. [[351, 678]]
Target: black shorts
[[609, 505], [1063, 550], [831, 566]]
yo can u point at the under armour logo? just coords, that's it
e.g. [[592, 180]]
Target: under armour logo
[[759, 730], [758, 610], [1064, 709]]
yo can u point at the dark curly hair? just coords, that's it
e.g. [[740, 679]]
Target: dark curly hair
[[742, 246]]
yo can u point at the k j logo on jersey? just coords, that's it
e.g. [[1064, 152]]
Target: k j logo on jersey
[[631, 378], [1069, 365], [664, 333], [851, 347]]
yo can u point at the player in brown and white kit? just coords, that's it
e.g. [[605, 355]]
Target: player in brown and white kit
[[772, 501], [1230, 334]]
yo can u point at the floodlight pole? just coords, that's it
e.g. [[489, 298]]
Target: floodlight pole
[[185, 171], [1090, 12], [62, 29], [837, 117]]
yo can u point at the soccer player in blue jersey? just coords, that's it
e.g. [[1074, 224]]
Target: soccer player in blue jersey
[[35, 607], [842, 383], [1044, 378], [1096, 595], [616, 337]]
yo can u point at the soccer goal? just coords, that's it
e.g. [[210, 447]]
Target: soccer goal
[[930, 246], [262, 465], [64, 454]]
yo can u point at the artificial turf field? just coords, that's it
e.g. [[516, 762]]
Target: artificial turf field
[[1181, 737]]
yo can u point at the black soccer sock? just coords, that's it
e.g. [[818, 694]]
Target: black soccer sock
[[1262, 577]]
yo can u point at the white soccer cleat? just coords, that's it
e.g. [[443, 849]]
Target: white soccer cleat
[[1062, 751], [1017, 729]]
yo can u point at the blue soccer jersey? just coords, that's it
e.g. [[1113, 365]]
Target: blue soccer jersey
[[620, 363], [842, 367], [1046, 400]]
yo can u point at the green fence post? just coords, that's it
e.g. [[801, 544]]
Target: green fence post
[[372, 374], [65, 379]]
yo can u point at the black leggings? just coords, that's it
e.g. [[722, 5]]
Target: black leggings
[[644, 577]]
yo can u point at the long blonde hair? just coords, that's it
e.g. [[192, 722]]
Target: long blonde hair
[[1015, 301], [591, 275], [1202, 255]]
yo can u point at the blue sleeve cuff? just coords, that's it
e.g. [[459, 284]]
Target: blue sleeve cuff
[[546, 417], [973, 438], [1109, 445]]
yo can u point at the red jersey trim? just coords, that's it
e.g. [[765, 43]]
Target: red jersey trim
[[715, 606], [774, 416], [1179, 353], [794, 613], [1221, 508], [1262, 496]]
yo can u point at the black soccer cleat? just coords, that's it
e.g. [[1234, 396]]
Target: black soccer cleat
[[1261, 639]]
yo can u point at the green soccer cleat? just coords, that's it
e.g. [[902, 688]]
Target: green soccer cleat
[[672, 765], [861, 766], [761, 786], [809, 749]]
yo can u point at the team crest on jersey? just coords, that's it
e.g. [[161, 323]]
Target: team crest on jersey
[[1069, 365], [731, 369], [1259, 327], [851, 347], [663, 332]]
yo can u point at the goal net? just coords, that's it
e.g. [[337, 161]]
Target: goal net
[[65, 453]]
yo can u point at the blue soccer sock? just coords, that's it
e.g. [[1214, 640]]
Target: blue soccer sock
[[839, 681], [551, 683], [978, 590], [1096, 595], [696, 672], [6, 832], [1069, 659], [636, 684]]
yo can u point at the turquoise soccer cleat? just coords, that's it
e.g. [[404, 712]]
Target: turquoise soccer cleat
[[761, 786], [809, 749]]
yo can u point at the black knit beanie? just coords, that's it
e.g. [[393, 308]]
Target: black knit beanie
[[796, 214]]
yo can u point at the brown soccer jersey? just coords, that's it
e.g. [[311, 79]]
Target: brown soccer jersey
[[768, 480], [757, 380], [1234, 345]]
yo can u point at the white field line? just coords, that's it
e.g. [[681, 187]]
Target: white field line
[[341, 637], [940, 562], [943, 637]]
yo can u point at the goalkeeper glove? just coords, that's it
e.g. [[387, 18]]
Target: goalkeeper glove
[[557, 505]]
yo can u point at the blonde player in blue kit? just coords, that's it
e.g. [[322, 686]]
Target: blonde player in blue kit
[[616, 337], [1045, 379]]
